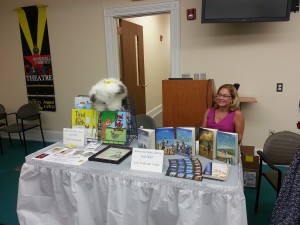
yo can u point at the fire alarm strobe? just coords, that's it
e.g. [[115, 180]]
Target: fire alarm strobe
[[191, 14]]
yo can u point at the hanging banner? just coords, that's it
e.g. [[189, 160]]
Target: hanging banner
[[36, 55]]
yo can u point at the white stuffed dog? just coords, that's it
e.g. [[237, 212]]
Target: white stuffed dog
[[108, 94]]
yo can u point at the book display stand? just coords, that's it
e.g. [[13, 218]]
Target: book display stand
[[130, 120]]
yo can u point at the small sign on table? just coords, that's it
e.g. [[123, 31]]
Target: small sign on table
[[72, 136], [147, 160]]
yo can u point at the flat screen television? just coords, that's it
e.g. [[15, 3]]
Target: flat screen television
[[245, 11]]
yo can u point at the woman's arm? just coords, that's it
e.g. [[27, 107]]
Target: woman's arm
[[239, 124]]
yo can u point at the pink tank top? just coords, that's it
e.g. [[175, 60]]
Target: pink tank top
[[226, 124]]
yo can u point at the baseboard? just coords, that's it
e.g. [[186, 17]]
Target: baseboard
[[154, 112], [35, 135]]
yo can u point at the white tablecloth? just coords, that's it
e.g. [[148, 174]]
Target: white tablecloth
[[102, 193]]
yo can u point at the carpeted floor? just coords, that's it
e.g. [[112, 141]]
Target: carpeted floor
[[14, 157]]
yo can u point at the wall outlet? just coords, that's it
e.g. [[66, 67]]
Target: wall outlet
[[279, 87], [203, 76], [185, 75]]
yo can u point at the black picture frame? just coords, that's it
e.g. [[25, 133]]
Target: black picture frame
[[112, 154]]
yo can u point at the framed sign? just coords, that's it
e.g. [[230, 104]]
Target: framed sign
[[111, 154]]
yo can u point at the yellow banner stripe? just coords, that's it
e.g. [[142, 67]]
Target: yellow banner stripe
[[41, 26], [25, 28]]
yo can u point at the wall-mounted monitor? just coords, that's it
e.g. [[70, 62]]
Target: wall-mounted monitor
[[244, 11]]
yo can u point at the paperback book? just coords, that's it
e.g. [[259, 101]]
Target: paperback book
[[83, 102], [227, 147], [188, 168], [185, 141], [207, 142], [217, 171], [113, 127], [86, 119], [146, 138], [164, 140]]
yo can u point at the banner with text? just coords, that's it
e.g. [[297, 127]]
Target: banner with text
[[36, 56]]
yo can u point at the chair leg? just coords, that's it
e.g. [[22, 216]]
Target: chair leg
[[1, 147], [21, 138], [258, 187], [25, 147], [10, 138], [43, 136], [10, 141]]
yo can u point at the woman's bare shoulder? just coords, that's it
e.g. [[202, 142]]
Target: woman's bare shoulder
[[239, 113]]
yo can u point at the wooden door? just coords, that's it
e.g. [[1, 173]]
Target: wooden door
[[132, 63]]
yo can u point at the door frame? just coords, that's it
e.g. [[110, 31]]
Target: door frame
[[110, 19]]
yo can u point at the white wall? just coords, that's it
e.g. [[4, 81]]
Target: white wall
[[257, 55]]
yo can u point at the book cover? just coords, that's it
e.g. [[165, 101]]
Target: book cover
[[217, 171], [185, 141], [164, 140], [146, 138], [86, 119], [113, 127], [227, 147], [114, 119], [114, 136], [188, 168], [207, 142], [83, 102]]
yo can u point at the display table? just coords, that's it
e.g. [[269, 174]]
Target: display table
[[97, 193]]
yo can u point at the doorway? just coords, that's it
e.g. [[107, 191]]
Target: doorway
[[111, 16], [132, 63]]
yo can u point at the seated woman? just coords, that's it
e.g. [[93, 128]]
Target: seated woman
[[226, 114]]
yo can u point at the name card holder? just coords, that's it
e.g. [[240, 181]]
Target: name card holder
[[73, 136], [147, 160]]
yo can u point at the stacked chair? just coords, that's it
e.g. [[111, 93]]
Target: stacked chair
[[27, 117], [145, 121], [279, 150], [3, 122]]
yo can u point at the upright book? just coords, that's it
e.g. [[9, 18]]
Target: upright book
[[227, 147], [217, 171], [146, 138], [207, 142], [185, 141], [83, 102], [86, 119], [164, 140], [113, 127]]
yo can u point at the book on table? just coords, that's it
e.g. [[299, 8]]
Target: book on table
[[83, 102], [164, 140], [86, 119], [185, 141], [114, 127], [188, 168], [227, 147], [216, 171], [207, 142], [146, 138]]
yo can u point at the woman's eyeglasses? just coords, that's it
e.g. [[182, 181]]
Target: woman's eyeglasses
[[223, 96]]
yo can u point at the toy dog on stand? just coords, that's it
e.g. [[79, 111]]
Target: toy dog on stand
[[107, 94]]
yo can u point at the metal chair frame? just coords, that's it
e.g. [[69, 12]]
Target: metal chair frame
[[25, 115]]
